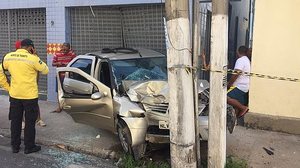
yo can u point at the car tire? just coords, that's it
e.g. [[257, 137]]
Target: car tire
[[125, 139], [124, 136], [231, 120]]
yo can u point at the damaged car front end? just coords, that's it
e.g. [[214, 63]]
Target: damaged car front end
[[126, 93], [144, 108]]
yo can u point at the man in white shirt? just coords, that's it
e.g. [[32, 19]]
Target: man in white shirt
[[239, 84]]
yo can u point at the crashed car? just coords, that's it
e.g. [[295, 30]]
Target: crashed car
[[125, 91]]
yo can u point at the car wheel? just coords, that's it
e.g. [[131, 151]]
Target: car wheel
[[125, 139], [231, 119]]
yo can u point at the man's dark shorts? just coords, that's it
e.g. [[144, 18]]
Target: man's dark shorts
[[238, 95]]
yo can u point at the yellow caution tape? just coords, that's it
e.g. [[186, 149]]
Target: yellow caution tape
[[235, 72]]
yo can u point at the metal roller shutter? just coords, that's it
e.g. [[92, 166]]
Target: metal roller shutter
[[19, 24], [142, 25], [92, 32], [4, 43]]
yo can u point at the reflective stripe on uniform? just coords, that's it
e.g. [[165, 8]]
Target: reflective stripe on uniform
[[19, 59]]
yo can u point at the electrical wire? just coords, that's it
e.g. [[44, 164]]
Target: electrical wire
[[168, 37]]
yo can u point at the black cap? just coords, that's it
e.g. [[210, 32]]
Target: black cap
[[27, 43]]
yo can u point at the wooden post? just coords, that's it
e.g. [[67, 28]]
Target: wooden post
[[196, 49], [218, 85], [181, 105]]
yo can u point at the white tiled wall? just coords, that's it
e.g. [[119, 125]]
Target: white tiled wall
[[56, 33]]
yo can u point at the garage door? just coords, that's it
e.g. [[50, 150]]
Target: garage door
[[144, 27], [4, 43], [24, 23], [94, 29], [141, 26]]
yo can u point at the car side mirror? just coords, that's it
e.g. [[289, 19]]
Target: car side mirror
[[98, 95]]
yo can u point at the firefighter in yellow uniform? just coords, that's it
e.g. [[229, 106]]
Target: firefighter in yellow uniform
[[23, 67]]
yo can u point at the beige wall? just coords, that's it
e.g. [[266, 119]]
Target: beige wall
[[276, 51]]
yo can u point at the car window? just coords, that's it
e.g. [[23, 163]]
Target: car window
[[77, 88], [140, 69], [83, 64], [105, 74]]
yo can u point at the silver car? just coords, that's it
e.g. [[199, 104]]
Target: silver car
[[124, 91]]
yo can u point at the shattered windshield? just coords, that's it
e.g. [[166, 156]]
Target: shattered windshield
[[140, 69]]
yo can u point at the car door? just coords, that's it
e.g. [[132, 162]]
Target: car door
[[87, 65], [86, 99]]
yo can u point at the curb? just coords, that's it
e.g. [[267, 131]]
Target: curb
[[104, 154]]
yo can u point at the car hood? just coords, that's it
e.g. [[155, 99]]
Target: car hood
[[154, 91], [148, 92]]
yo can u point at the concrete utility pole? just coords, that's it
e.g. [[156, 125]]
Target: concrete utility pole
[[181, 107], [196, 49], [218, 85]]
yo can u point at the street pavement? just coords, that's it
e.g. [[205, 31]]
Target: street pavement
[[48, 158], [252, 145]]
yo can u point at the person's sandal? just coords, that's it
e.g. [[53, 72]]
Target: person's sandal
[[243, 112], [41, 123]]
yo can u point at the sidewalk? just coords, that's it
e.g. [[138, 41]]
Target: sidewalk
[[62, 130], [243, 143], [248, 144]]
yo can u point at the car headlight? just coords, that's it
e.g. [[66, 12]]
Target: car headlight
[[137, 113]]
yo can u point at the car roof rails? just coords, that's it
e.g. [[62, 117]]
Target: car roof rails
[[107, 50], [125, 50], [119, 50]]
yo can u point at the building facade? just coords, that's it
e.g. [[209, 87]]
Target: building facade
[[87, 25], [276, 38], [92, 25]]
